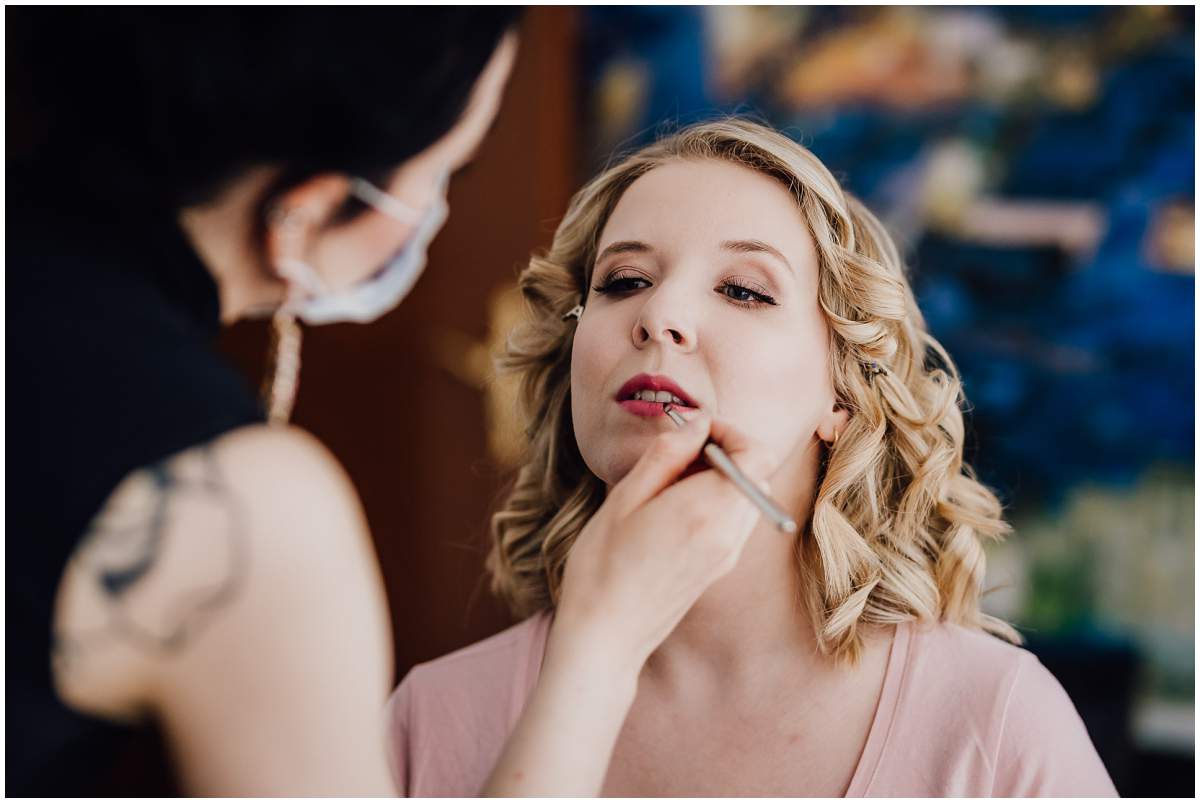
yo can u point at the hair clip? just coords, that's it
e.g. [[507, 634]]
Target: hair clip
[[873, 369], [576, 313]]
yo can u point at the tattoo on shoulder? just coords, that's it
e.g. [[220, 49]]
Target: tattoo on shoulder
[[154, 594]]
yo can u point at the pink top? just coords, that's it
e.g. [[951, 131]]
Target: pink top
[[962, 714]]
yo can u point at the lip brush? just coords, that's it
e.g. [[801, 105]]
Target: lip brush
[[718, 459]]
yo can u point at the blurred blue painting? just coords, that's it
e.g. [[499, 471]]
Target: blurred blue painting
[[1067, 294]]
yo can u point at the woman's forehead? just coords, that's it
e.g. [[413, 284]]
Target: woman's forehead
[[709, 201], [706, 205]]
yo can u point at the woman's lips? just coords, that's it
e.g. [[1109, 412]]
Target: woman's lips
[[654, 409], [660, 384], [646, 409], [645, 395]]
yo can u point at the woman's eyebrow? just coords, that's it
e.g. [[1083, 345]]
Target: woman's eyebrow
[[756, 247], [624, 247]]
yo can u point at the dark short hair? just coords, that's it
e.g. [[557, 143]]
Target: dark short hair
[[168, 105]]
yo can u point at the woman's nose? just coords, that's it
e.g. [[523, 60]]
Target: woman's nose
[[663, 330]]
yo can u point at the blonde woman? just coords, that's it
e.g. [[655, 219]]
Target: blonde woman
[[725, 266]]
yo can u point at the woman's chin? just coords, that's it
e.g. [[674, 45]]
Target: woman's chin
[[617, 465]]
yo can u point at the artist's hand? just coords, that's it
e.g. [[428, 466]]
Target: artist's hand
[[645, 557], [657, 543]]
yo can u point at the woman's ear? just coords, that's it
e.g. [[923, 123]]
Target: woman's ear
[[833, 423], [296, 217]]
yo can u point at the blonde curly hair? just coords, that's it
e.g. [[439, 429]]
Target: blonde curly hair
[[898, 521]]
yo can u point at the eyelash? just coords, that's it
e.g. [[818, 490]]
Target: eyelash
[[617, 284]]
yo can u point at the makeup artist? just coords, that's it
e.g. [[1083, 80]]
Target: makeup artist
[[179, 569]]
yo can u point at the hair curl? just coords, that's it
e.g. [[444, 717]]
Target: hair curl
[[898, 521]]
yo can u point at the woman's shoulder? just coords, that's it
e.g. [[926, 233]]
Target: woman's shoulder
[[966, 653], [991, 674], [231, 531], [992, 714], [968, 670], [449, 719]]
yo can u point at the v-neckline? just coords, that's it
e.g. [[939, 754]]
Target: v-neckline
[[885, 713], [881, 723]]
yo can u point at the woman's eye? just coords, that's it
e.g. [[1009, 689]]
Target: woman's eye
[[744, 295], [622, 284]]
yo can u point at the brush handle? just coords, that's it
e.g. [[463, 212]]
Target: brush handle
[[722, 462], [718, 459]]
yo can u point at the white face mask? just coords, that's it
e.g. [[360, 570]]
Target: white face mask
[[366, 301]]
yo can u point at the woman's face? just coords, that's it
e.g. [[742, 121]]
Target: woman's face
[[705, 286]]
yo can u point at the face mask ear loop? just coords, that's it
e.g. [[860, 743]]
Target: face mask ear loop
[[389, 204], [282, 381]]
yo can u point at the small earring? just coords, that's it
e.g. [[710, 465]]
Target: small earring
[[575, 312]]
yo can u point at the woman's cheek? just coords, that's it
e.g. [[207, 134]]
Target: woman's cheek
[[590, 355], [587, 378], [583, 359], [772, 389]]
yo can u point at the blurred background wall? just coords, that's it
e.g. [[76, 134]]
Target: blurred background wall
[[1037, 167]]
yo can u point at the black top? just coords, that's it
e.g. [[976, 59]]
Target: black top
[[111, 366]]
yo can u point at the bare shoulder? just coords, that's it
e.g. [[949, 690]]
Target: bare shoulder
[[187, 552], [261, 451], [295, 493]]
